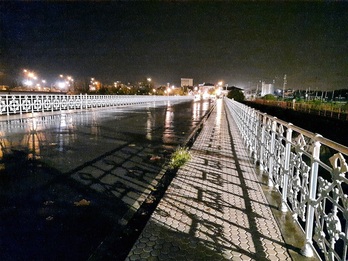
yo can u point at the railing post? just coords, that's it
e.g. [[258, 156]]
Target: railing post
[[7, 106], [307, 250], [270, 166], [52, 103], [262, 142], [32, 103], [286, 173], [20, 105], [255, 130]]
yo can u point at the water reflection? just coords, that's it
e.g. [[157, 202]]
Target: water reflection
[[196, 112], [150, 123], [168, 124], [206, 105], [33, 140], [99, 156], [95, 127], [31, 134], [66, 131], [67, 140]]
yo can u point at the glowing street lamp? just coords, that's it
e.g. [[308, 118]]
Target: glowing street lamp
[[61, 85], [29, 74], [29, 77], [28, 83], [148, 83]]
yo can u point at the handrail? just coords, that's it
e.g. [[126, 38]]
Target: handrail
[[19, 104], [308, 170]]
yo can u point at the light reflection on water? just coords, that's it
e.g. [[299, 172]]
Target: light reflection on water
[[67, 140], [101, 157]]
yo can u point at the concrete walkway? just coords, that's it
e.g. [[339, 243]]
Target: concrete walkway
[[215, 208]]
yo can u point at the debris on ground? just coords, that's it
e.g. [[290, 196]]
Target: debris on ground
[[155, 158], [82, 202], [48, 202], [150, 199]]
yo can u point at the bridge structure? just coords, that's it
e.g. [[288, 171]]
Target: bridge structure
[[20, 104], [308, 171]]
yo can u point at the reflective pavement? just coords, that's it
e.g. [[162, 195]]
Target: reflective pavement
[[215, 207], [69, 181]]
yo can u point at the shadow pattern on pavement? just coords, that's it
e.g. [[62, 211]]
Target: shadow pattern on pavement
[[214, 209], [51, 215]]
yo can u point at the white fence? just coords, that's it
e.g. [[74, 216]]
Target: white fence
[[18, 104], [308, 170]]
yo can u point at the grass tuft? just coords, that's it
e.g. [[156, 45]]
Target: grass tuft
[[179, 157]]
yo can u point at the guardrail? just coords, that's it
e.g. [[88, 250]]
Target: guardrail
[[19, 104], [308, 170]]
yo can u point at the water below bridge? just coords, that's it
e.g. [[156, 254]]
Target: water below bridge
[[69, 181]]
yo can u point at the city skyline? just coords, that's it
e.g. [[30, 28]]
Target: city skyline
[[239, 43]]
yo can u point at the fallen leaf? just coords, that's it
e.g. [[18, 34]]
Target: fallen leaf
[[82, 202], [154, 158]]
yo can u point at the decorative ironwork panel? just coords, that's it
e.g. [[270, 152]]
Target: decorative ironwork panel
[[331, 211], [309, 171]]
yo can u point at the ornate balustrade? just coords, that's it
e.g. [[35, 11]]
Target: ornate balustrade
[[308, 170], [18, 104]]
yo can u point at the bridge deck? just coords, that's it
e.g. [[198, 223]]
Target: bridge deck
[[215, 207]]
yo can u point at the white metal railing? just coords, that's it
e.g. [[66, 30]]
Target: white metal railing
[[19, 104], [308, 170]]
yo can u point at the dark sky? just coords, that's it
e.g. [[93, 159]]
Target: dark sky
[[237, 42]]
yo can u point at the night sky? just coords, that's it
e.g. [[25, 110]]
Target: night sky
[[240, 43]]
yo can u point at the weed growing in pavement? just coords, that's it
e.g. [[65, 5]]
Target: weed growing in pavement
[[179, 157]]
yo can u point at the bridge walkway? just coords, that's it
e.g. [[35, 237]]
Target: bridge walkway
[[215, 208]]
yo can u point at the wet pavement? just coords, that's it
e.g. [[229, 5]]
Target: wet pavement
[[70, 182], [216, 207]]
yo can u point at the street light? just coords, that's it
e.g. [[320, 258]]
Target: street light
[[148, 83], [29, 77], [61, 85]]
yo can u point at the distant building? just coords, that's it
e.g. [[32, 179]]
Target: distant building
[[267, 89], [186, 82], [207, 87]]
